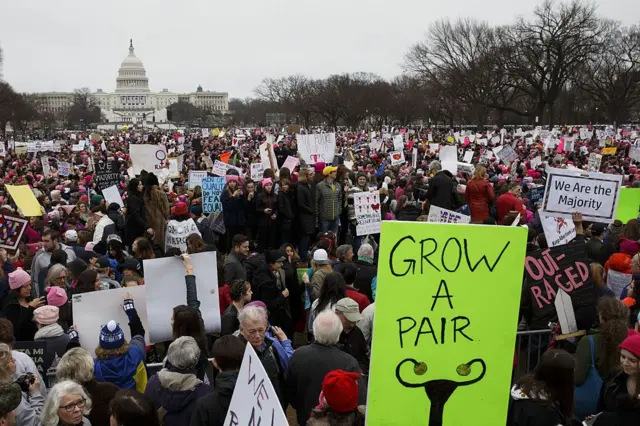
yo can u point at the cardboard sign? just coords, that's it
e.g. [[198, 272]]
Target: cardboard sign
[[195, 177], [397, 158], [290, 163], [629, 204], [448, 157], [112, 195], [594, 162], [557, 230], [107, 174], [398, 143], [507, 155], [535, 162], [268, 157], [446, 349], [46, 168], [25, 200], [254, 398], [257, 170], [617, 281], [93, 310], [177, 233], [610, 150], [563, 267], [212, 188], [368, 212], [45, 360], [148, 157], [11, 230], [468, 155], [595, 195], [440, 215], [64, 168], [316, 148], [162, 298]]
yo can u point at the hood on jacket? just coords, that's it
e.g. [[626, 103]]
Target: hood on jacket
[[175, 391], [518, 395], [226, 382], [119, 370]]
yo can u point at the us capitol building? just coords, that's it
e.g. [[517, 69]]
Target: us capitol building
[[132, 101]]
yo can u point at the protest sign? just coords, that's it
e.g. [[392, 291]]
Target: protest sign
[[414, 157], [267, 156], [557, 230], [609, 151], [468, 155], [594, 162], [112, 195], [448, 157], [629, 204], [446, 349], [397, 158], [209, 162], [507, 155], [317, 148], [11, 230], [45, 360], [94, 309], [563, 267], [254, 398], [257, 170], [64, 168], [440, 215], [177, 233], [174, 172], [3, 150], [368, 212], [566, 314], [219, 168], [46, 168], [290, 163], [595, 195], [617, 281], [148, 157], [634, 153], [465, 168], [195, 178], [25, 200], [161, 298], [535, 194], [107, 174], [212, 188], [398, 143], [535, 162]]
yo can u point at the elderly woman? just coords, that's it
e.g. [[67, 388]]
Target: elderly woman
[[176, 389], [56, 276], [77, 365], [66, 405], [28, 412], [273, 353]]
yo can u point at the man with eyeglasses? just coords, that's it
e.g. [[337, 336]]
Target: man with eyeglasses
[[42, 259]]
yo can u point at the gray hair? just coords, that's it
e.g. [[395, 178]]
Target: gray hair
[[327, 327], [435, 165], [53, 273], [77, 365], [49, 415], [253, 313], [366, 250], [342, 250], [5, 356], [184, 353]]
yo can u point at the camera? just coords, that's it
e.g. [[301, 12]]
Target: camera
[[25, 381]]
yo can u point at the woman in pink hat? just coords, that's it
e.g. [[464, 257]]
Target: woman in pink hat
[[19, 306]]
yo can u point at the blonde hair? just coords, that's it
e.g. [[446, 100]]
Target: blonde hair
[[5, 356], [77, 365], [480, 173], [49, 415]]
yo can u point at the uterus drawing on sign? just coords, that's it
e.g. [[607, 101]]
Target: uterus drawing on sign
[[439, 390]]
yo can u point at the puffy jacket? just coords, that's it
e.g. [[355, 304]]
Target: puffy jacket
[[328, 200]]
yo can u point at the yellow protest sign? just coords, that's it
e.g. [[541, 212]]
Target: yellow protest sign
[[450, 139], [445, 327], [25, 200], [216, 132], [610, 151]]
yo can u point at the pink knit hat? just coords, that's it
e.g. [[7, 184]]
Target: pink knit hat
[[56, 296], [46, 315], [18, 279]]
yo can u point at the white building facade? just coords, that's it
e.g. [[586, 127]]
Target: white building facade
[[133, 102]]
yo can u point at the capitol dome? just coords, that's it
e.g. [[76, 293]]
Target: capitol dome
[[132, 77]]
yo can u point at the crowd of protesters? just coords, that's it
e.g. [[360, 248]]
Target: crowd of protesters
[[312, 331]]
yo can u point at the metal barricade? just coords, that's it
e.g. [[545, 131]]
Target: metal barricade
[[530, 345]]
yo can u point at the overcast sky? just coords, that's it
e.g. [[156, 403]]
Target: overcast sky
[[226, 45]]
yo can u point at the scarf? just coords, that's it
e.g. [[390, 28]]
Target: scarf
[[48, 331]]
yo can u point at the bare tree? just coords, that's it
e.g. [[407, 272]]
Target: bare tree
[[84, 109], [295, 93]]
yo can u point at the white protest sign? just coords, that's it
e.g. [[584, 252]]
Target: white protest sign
[[375, 144], [433, 148], [291, 163], [94, 309], [368, 212], [594, 162], [3, 150], [267, 157], [148, 157], [317, 147], [219, 168], [398, 143], [535, 162], [634, 154], [468, 155], [173, 168], [196, 176], [254, 398], [440, 215], [414, 158], [557, 230], [205, 133], [566, 315], [617, 281], [46, 168], [165, 279], [397, 158], [448, 156], [112, 195], [209, 162], [257, 169], [595, 195], [177, 233], [64, 168]]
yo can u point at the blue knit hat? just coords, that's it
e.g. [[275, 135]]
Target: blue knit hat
[[111, 336]]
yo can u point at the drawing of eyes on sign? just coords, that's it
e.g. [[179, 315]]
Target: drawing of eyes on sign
[[317, 148], [595, 195], [445, 351]]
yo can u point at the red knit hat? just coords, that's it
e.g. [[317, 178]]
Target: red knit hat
[[340, 390], [632, 344]]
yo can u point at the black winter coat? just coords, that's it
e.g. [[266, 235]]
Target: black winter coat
[[233, 209], [136, 223], [527, 412], [265, 289], [266, 201], [306, 210], [616, 407], [211, 410], [22, 318], [441, 191], [366, 273], [180, 404], [409, 213], [286, 213]]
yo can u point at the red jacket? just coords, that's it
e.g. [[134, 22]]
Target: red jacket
[[363, 301], [507, 203], [479, 195]]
